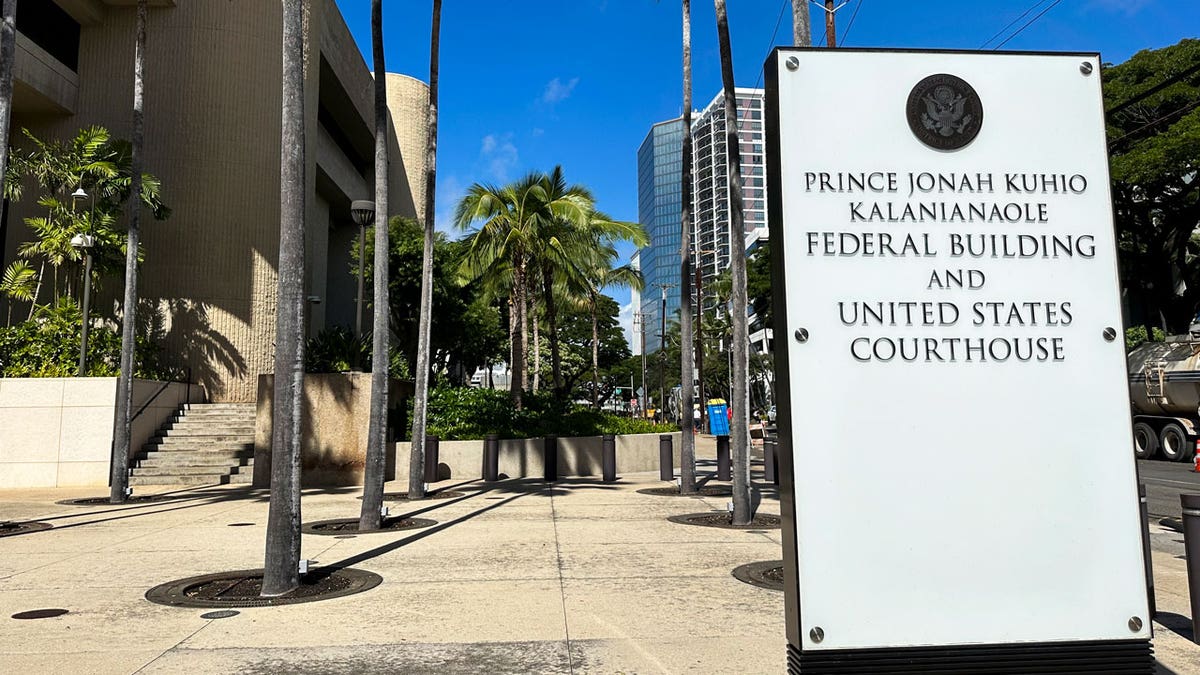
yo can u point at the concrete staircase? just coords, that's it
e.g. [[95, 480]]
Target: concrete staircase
[[203, 444]]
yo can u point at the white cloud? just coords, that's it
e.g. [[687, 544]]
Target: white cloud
[[499, 155], [557, 91]]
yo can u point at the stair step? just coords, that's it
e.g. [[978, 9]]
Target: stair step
[[205, 479], [201, 439], [220, 406], [185, 470], [242, 478], [207, 430], [195, 460]]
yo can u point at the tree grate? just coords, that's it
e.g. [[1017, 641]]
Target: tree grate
[[767, 574], [241, 588], [724, 519], [342, 526]]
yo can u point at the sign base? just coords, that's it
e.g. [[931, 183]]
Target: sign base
[[1132, 657]]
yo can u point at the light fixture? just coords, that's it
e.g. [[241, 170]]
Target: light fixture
[[83, 240], [79, 193], [362, 211]]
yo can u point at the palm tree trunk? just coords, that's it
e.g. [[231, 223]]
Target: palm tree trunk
[[552, 325], [801, 31], [370, 517], [739, 430], [37, 290], [595, 356], [517, 384], [281, 569], [537, 351], [123, 418], [687, 445], [8, 46], [416, 455]]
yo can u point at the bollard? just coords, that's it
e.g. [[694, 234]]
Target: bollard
[[608, 457], [550, 458], [770, 464], [491, 457], [431, 459], [1145, 512], [1191, 550], [666, 458], [723, 464]]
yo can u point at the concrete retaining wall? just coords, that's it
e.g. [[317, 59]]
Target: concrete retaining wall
[[579, 456], [57, 431]]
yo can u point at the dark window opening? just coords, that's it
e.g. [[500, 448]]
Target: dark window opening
[[52, 29]]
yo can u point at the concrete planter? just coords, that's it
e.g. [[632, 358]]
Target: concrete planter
[[57, 431], [334, 431]]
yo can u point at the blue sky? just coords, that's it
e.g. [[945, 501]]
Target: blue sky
[[525, 86]]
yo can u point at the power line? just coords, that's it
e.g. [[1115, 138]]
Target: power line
[[1028, 24], [1185, 109], [1013, 22], [851, 24]]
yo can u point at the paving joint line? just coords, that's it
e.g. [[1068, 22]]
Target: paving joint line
[[562, 588]]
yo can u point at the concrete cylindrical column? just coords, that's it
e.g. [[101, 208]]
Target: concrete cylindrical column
[[491, 457], [550, 458], [723, 463], [1191, 550], [666, 458], [431, 459], [608, 457]]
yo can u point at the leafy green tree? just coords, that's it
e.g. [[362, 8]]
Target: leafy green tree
[[578, 335], [1154, 144], [758, 284]]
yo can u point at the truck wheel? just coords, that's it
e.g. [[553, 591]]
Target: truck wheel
[[1145, 441], [1174, 443]]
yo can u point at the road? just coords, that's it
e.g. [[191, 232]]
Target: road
[[1165, 481]]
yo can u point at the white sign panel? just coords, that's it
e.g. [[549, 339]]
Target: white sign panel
[[959, 419]]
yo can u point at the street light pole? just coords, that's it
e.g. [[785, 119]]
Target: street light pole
[[363, 213], [85, 241]]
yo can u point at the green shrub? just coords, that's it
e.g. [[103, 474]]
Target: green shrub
[[337, 350], [459, 413], [48, 346], [1136, 335]]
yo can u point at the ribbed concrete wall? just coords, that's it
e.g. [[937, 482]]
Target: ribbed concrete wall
[[213, 93], [408, 103]]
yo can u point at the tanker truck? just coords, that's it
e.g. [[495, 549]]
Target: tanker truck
[[1164, 390]]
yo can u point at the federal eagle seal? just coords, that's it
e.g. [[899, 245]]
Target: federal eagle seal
[[944, 112]]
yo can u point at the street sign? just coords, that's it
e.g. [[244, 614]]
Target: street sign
[[958, 481]]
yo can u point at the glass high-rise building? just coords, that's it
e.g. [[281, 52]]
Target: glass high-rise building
[[659, 200], [710, 181], [660, 211]]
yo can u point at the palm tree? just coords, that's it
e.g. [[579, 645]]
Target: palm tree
[[687, 445], [510, 244], [8, 46], [371, 515], [801, 31], [416, 456], [123, 422], [281, 570], [739, 428]]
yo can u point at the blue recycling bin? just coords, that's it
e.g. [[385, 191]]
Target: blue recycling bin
[[718, 419]]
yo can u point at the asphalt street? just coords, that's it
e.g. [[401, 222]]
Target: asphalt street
[[1165, 481]]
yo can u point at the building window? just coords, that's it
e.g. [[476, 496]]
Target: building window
[[52, 29]]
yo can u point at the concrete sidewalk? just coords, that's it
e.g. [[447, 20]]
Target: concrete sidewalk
[[518, 577]]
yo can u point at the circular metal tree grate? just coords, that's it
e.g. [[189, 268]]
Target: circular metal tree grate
[[342, 526], [10, 528], [724, 519], [241, 588], [673, 491], [441, 494], [767, 574], [104, 501]]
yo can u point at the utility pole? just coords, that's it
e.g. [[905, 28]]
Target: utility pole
[[830, 28], [639, 319]]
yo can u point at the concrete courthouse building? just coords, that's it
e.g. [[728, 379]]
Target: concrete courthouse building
[[212, 134]]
